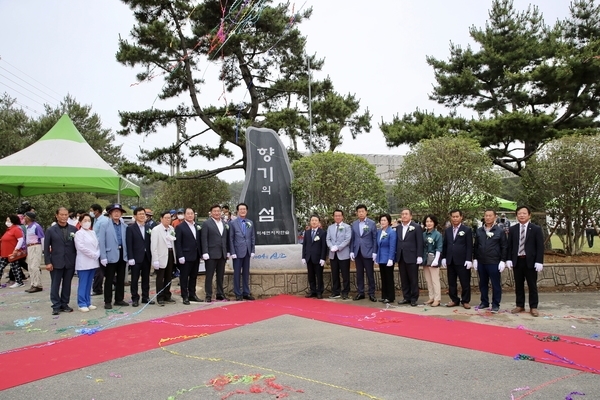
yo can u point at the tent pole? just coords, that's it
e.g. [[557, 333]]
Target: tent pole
[[119, 192]]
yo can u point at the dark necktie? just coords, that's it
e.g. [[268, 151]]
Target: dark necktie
[[244, 227], [313, 234]]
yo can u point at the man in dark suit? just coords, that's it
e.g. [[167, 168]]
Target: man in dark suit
[[409, 250], [214, 244], [457, 256], [188, 248], [242, 246], [139, 256], [59, 257], [314, 252], [526, 255], [363, 250]]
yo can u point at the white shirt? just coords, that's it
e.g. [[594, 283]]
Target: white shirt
[[192, 228], [219, 225], [142, 231], [404, 230]]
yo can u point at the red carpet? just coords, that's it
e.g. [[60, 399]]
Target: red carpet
[[69, 354]]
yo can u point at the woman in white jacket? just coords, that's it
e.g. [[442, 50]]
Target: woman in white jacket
[[88, 252]]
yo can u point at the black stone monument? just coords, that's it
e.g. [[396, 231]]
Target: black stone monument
[[267, 188]]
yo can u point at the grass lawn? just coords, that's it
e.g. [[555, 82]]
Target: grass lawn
[[557, 244]]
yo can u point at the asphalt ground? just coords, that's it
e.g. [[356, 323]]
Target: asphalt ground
[[305, 359]]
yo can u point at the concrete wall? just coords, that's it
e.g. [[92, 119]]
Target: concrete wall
[[289, 281]]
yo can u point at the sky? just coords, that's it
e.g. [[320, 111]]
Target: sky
[[51, 48]]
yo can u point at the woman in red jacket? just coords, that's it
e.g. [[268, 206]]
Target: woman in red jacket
[[10, 243]]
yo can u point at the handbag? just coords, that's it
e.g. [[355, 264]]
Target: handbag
[[430, 257], [19, 255]]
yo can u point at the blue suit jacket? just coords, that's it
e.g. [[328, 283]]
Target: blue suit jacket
[[239, 244], [387, 246], [107, 239], [366, 242]]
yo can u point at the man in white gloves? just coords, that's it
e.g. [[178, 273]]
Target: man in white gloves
[[489, 256], [457, 253], [242, 240], [215, 241], [162, 247], [189, 251], [363, 251], [314, 252], [526, 255], [409, 255], [113, 255], [139, 256]]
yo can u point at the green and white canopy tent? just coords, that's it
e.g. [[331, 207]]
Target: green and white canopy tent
[[61, 161]]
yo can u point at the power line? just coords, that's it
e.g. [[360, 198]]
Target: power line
[[29, 108], [33, 86], [13, 89], [2, 59], [30, 91]]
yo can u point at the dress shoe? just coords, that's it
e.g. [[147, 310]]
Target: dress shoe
[[222, 298], [34, 289], [535, 312], [435, 304], [239, 298], [334, 296], [429, 302], [121, 303], [466, 306], [451, 304], [107, 306], [161, 303], [55, 311], [495, 309], [208, 300], [249, 297], [135, 303], [196, 299], [517, 310], [385, 301], [170, 301], [148, 301], [413, 303], [319, 296], [359, 297], [66, 309], [97, 293], [308, 296], [344, 297], [373, 298], [403, 301], [482, 306], [186, 301]]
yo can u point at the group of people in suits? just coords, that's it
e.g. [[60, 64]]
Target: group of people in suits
[[488, 250], [106, 242]]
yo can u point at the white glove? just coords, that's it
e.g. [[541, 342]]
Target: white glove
[[390, 263], [538, 267], [131, 262], [352, 256], [419, 260], [251, 255], [333, 249], [509, 264], [443, 263], [233, 256], [104, 261], [155, 265], [97, 254], [303, 261], [228, 255], [475, 265], [321, 262], [374, 257], [468, 264], [205, 256], [181, 260], [436, 259], [501, 266]]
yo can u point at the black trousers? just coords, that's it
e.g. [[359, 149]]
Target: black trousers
[[60, 296], [464, 276], [140, 270], [117, 268], [340, 266], [98, 280], [315, 277], [409, 280], [365, 264], [214, 265], [388, 289], [522, 273], [188, 275], [163, 278]]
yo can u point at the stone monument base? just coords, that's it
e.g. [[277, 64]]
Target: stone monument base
[[277, 257]]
